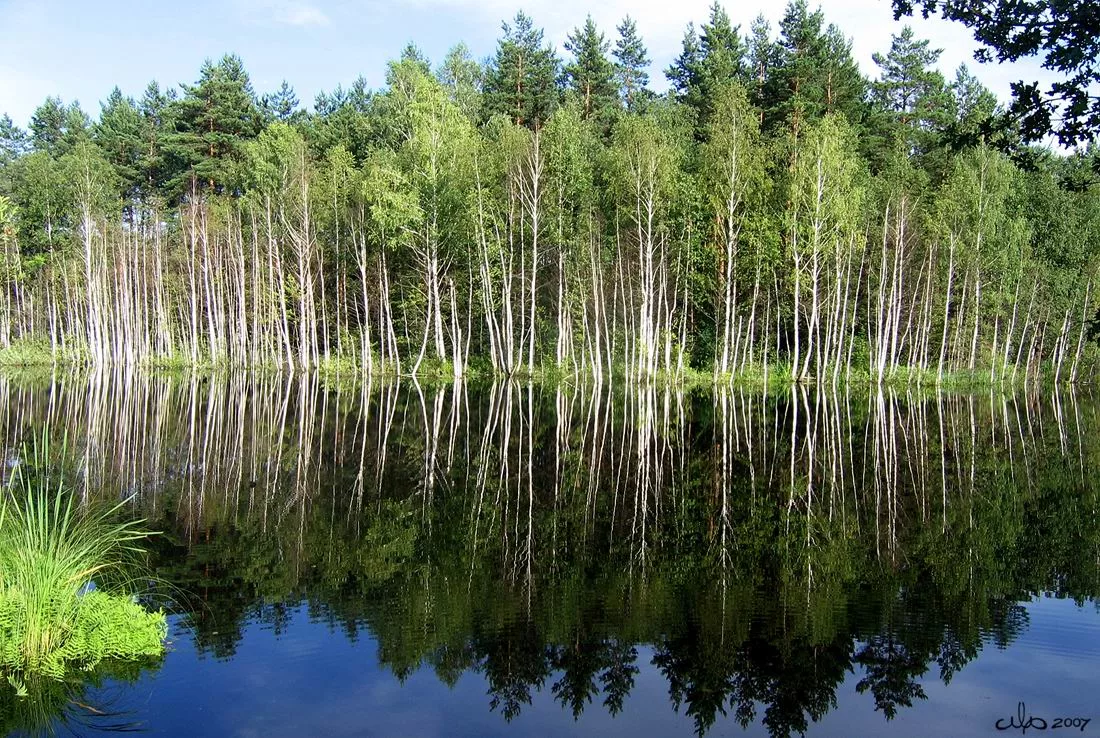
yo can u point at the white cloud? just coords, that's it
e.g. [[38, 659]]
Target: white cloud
[[299, 14], [284, 12]]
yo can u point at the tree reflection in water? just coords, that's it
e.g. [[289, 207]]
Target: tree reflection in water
[[761, 547]]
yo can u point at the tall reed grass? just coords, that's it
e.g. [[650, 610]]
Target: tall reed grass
[[67, 572]]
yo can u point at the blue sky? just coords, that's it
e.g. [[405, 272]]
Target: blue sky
[[81, 49]]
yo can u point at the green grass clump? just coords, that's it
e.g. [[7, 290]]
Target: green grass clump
[[51, 549]]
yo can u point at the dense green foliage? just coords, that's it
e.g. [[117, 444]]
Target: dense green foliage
[[1065, 35], [777, 213], [54, 637], [64, 573]]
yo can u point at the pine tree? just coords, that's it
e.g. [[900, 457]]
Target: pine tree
[[13, 140], [56, 128], [816, 74], [1066, 35], [414, 55], [762, 59], [905, 74], [972, 104], [119, 135], [213, 120], [13, 144], [707, 61], [631, 65], [796, 96], [843, 85], [722, 51], [591, 74], [342, 117], [48, 125], [911, 91], [156, 123], [684, 71], [522, 79], [281, 105]]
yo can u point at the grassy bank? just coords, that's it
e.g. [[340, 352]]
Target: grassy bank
[[35, 358]]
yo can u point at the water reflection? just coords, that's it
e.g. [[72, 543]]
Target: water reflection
[[79, 705], [757, 552]]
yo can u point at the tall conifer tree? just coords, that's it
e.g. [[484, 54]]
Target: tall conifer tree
[[56, 127], [13, 141], [281, 105], [815, 75], [591, 74], [762, 58], [522, 79], [119, 135], [213, 120], [156, 123], [707, 61], [631, 65]]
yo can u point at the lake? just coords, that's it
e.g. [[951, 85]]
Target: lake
[[514, 559]]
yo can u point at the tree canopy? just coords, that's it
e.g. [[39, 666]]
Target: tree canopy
[[1065, 36]]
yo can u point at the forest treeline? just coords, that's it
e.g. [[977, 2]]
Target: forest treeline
[[775, 214]]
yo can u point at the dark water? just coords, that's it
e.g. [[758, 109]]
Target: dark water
[[402, 560]]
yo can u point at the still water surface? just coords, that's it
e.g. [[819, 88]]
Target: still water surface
[[521, 560]]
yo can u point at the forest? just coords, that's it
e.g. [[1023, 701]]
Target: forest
[[778, 215]]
